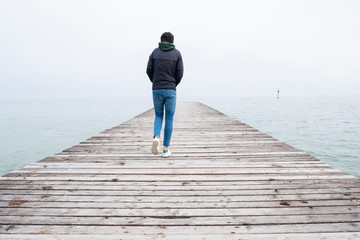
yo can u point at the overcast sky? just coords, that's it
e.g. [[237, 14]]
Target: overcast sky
[[71, 48]]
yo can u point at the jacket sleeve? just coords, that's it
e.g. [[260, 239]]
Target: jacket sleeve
[[179, 70], [150, 68]]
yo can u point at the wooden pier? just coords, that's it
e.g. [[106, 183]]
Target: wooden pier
[[225, 180]]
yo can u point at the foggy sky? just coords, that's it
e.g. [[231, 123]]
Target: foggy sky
[[72, 48]]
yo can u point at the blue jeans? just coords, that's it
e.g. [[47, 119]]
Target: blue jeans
[[164, 98]]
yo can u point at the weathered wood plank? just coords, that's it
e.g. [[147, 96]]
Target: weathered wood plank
[[169, 171], [293, 183], [231, 236], [184, 186], [223, 192], [183, 230], [186, 178], [182, 198], [186, 212], [180, 204], [174, 165], [177, 220]]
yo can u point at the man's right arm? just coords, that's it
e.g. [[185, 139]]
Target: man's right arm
[[150, 67]]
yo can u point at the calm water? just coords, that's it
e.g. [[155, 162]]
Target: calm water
[[32, 129], [327, 128]]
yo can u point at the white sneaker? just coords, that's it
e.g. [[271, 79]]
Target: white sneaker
[[155, 146], [166, 154]]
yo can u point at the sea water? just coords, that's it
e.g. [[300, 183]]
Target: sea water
[[32, 129], [327, 128]]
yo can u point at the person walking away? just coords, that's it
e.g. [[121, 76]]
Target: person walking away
[[165, 69]]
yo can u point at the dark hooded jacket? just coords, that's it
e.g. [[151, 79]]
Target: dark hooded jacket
[[165, 67]]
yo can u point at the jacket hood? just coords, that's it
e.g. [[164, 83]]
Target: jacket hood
[[166, 46]]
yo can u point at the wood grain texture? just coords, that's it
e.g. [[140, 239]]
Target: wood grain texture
[[225, 180]]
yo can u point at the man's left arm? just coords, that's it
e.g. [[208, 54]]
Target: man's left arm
[[179, 70]]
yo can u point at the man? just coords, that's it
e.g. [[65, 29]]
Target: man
[[165, 70]]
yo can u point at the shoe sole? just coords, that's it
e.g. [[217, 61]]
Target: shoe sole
[[154, 148], [166, 156]]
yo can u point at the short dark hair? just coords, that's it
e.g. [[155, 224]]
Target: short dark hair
[[167, 37]]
